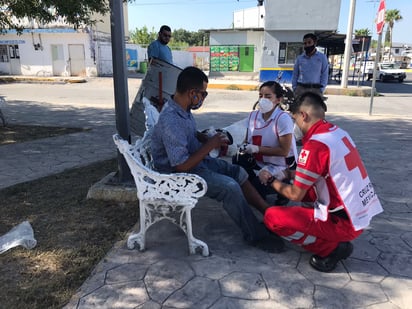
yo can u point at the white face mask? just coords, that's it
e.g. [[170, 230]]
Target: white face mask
[[297, 132], [265, 105]]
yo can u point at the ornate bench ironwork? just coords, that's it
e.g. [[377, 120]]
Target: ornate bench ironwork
[[161, 196]]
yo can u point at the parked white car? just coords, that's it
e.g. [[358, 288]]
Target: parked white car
[[385, 71]]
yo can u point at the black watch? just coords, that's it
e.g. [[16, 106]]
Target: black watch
[[270, 180]]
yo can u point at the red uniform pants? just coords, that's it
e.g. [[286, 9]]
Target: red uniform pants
[[298, 225]]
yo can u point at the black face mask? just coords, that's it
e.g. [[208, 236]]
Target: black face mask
[[309, 49]]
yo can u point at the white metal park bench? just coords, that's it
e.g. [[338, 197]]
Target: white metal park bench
[[161, 196]]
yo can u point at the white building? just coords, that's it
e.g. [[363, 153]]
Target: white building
[[265, 40], [57, 49]]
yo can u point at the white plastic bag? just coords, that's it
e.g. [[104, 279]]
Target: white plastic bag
[[20, 235]]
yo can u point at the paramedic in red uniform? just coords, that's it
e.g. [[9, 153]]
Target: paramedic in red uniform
[[338, 199]]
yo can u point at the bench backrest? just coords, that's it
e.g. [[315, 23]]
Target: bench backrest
[[151, 185]]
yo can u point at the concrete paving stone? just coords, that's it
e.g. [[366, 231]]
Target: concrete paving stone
[[390, 243], [288, 259], [363, 294], [407, 237], [165, 277], [198, 293], [234, 303], [396, 263], [122, 296], [289, 287], [150, 305], [125, 273], [364, 249], [392, 223], [385, 305], [336, 279], [215, 267], [244, 285], [325, 297], [398, 290], [365, 271]]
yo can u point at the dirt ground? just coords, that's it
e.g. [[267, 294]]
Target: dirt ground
[[11, 134], [73, 234]]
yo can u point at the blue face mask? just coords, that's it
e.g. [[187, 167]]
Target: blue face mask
[[198, 105]]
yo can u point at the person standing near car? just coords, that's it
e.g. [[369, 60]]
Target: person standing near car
[[311, 69], [158, 49]]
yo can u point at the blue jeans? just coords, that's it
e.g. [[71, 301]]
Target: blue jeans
[[224, 184]]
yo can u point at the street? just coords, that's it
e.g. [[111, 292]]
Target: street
[[222, 107], [389, 88]]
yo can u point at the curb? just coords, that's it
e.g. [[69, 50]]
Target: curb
[[35, 79]]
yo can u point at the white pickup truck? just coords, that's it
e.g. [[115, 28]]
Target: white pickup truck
[[385, 71]]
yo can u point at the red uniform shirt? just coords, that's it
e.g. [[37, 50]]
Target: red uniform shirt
[[313, 163]]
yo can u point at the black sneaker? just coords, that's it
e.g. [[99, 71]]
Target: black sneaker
[[328, 263]]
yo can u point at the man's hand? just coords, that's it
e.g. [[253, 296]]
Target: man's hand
[[250, 148], [218, 140], [267, 174], [264, 176]]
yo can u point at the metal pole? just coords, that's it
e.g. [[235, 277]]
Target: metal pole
[[360, 65], [121, 95], [378, 49], [348, 45]]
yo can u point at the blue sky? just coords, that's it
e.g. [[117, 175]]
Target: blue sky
[[193, 15]]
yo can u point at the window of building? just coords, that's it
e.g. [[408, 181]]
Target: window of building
[[4, 55], [288, 52]]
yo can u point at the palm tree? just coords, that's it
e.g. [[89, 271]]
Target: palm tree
[[363, 32], [390, 17]]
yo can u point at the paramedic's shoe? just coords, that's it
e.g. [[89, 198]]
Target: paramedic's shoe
[[328, 263]]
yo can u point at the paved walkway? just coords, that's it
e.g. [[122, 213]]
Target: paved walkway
[[377, 275]]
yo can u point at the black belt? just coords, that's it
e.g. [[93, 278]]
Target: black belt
[[310, 85]]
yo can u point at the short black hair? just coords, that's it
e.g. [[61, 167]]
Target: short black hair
[[308, 99], [190, 78], [165, 28], [311, 36], [275, 86]]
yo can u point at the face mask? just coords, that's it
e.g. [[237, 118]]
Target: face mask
[[198, 105], [309, 49], [265, 105], [297, 132]]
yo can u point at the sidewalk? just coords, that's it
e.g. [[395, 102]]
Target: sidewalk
[[377, 275]]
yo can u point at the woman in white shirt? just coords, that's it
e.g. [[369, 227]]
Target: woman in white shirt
[[270, 138]]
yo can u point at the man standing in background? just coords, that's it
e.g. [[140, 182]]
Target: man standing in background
[[310, 72], [158, 49]]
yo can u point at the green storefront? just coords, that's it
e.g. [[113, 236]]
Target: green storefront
[[231, 58]]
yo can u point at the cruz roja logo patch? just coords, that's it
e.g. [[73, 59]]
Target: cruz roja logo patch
[[303, 157]]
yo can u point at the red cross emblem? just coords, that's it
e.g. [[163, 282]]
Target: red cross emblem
[[304, 154], [353, 160]]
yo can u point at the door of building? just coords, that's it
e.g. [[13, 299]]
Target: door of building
[[246, 58], [14, 54], [77, 60], [58, 63]]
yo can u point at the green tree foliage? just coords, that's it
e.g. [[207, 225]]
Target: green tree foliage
[[363, 32], [392, 16], [76, 12], [181, 38], [143, 36]]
